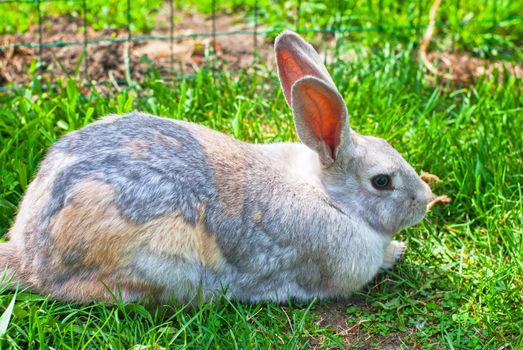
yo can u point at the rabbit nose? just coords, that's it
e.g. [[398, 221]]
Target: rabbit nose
[[427, 192], [429, 196], [425, 197]]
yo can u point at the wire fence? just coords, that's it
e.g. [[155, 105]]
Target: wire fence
[[253, 30]]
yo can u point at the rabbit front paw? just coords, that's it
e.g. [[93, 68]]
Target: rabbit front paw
[[393, 253]]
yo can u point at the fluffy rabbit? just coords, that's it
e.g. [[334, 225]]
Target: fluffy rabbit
[[146, 208]]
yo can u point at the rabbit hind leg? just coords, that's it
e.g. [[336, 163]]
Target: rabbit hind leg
[[9, 263], [94, 289]]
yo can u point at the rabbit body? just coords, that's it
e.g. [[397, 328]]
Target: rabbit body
[[142, 207], [156, 208]]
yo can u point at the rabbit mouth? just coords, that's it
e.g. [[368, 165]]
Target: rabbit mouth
[[417, 212]]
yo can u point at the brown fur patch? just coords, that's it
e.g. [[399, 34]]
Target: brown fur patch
[[167, 141], [90, 234], [36, 198], [138, 148], [90, 227], [229, 163], [107, 289], [171, 234], [77, 289], [208, 249]]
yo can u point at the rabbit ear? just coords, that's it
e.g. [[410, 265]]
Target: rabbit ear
[[295, 59], [320, 115]]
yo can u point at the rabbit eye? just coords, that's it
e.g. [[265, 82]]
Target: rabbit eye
[[382, 182]]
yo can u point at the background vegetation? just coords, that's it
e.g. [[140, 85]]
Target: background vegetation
[[460, 283]]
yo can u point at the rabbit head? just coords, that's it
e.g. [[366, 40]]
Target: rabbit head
[[363, 175]]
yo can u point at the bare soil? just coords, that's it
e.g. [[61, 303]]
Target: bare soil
[[353, 335], [462, 69], [110, 61]]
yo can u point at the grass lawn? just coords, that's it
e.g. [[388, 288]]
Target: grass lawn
[[460, 284]]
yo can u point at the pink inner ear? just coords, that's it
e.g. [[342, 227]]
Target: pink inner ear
[[290, 71], [324, 116]]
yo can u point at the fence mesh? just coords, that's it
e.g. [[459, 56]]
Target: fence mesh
[[131, 50]]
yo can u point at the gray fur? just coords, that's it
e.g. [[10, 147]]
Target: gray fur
[[144, 186]]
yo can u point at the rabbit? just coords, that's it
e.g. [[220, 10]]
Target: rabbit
[[140, 207]]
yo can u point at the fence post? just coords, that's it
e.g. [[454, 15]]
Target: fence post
[[171, 37], [128, 63], [255, 33], [86, 55], [40, 34], [213, 44]]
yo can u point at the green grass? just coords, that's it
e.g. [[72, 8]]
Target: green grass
[[460, 284]]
